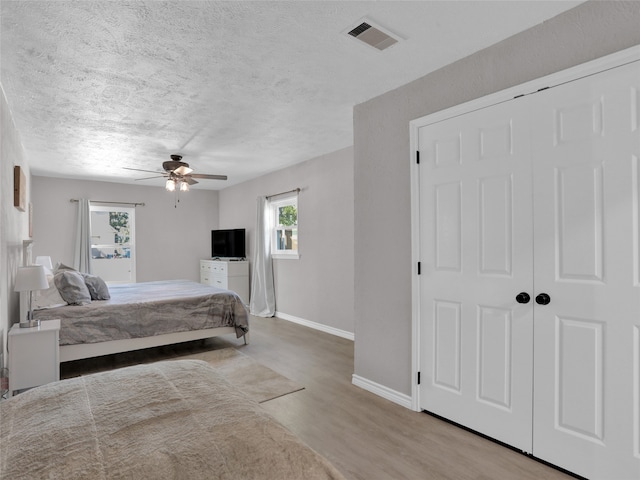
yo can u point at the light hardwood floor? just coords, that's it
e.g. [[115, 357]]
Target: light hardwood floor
[[366, 437]]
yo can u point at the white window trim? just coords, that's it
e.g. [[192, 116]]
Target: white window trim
[[286, 256], [132, 242], [274, 204]]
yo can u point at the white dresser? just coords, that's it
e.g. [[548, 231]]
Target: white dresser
[[227, 274]]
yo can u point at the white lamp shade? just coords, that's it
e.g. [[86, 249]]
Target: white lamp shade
[[45, 261], [31, 278]]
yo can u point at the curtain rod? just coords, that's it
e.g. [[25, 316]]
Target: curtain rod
[[135, 204], [297, 190]]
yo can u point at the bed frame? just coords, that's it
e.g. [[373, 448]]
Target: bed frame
[[89, 350]]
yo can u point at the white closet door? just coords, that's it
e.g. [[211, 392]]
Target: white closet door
[[586, 145], [476, 252]]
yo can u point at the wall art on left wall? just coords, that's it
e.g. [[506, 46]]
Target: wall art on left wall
[[19, 189], [30, 220]]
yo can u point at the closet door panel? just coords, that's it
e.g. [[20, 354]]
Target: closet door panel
[[447, 342], [584, 144], [448, 227], [580, 392], [579, 229], [476, 254], [495, 242], [495, 343]]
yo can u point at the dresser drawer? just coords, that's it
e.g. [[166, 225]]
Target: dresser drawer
[[219, 281], [219, 267]]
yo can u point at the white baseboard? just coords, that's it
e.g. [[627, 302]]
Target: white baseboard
[[382, 391], [316, 326]]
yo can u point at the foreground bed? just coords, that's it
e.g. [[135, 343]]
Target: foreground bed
[[167, 420], [148, 314]]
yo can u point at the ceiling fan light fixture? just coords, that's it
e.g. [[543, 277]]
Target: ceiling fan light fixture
[[178, 174]]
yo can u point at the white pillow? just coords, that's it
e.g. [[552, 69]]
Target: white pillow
[[48, 298]]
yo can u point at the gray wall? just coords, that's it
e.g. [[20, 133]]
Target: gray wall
[[318, 287], [381, 163], [14, 224], [169, 241]]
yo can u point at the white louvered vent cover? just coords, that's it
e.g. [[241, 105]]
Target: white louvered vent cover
[[373, 35]]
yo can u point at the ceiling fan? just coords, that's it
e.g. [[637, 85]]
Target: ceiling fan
[[178, 174]]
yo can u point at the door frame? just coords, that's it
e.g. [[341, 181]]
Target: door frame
[[529, 88]]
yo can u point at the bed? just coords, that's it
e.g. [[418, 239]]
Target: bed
[[168, 420], [147, 314]]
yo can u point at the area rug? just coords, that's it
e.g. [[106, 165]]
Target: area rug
[[257, 381]]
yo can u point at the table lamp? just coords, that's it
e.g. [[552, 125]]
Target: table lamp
[[45, 261], [29, 279]]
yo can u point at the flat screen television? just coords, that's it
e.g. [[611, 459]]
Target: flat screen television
[[228, 243]]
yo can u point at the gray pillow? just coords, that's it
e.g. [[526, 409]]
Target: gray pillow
[[97, 287], [61, 266], [72, 288]]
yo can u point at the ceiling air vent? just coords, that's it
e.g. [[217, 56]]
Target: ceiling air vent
[[373, 35]]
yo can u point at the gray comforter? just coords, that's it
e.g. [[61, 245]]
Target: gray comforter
[[168, 420], [145, 309]]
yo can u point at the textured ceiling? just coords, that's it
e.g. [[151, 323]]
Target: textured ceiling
[[240, 88]]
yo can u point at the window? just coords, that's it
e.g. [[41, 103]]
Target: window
[[112, 243], [284, 239]]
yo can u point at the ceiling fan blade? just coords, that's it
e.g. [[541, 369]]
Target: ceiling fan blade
[[209, 177], [149, 178], [189, 180], [182, 170], [140, 170]]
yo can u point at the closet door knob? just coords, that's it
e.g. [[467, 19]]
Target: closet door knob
[[543, 299], [523, 297]]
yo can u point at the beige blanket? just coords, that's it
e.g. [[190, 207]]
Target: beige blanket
[[168, 420]]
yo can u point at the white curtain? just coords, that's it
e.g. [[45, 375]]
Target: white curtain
[[82, 253], [263, 297]]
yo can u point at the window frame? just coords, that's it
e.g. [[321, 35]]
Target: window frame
[[131, 245], [274, 205]]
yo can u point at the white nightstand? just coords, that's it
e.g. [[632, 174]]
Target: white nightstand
[[34, 355]]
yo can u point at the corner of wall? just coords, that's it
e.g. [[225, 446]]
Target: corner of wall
[[14, 227]]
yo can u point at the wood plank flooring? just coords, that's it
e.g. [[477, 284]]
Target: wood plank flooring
[[366, 437]]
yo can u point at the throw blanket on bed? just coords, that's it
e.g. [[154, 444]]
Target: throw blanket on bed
[[145, 309], [168, 420]]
